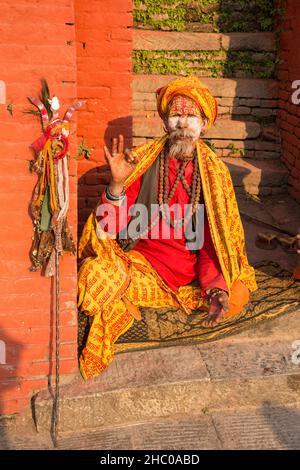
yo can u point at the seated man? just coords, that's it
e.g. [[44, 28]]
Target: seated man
[[124, 266]]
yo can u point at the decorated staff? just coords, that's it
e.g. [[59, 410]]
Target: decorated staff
[[50, 201]]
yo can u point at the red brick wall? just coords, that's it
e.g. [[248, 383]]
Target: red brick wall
[[32, 46], [289, 113], [83, 49], [104, 45]]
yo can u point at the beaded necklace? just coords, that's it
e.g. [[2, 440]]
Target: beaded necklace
[[165, 196]]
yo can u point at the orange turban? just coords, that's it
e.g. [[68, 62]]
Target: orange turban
[[194, 89]]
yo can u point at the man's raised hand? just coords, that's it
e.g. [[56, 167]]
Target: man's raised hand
[[122, 163]]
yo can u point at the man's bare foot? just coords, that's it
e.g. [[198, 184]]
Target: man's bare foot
[[218, 307]]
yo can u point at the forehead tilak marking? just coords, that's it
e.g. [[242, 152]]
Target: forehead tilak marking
[[184, 105]]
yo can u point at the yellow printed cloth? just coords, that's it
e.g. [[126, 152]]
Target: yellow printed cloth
[[144, 289], [221, 206], [112, 284]]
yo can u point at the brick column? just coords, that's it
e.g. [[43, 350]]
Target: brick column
[[104, 45], [37, 40], [289, 112]]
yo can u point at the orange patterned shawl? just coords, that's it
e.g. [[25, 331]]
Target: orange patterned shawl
[[222, 211]]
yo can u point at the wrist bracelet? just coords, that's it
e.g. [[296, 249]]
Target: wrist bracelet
[[213, 292], [111, 197]]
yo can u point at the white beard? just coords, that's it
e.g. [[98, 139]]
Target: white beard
[[182, 143]]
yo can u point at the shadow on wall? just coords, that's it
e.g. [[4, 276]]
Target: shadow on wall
[[15, 360], [10, 356], [92, 183]]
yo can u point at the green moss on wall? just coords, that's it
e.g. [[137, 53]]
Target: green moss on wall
[[206, 63], [204, 15]]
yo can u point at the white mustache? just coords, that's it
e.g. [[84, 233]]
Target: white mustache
[[181, 133]]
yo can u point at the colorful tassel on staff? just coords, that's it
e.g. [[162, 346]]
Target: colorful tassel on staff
[[50, 200]]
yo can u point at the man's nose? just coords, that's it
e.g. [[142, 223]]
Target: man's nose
[[182, 121]]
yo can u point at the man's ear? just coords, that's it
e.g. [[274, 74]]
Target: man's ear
[[165, 124], [205, 122]]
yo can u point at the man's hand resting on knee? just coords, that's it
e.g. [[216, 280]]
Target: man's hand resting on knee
[[219, 305]]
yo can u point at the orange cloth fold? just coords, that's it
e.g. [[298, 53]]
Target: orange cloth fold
[[238, 299], [107, 273]]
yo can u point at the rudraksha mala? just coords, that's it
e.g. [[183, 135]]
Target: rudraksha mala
[[165, 196]]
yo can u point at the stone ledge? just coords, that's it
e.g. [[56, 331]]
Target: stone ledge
[[220, 87], [250, 176], [126, 406], [135, 389], [267, 426], [164, 40], [226, 129], [264, 358], [270, 426]]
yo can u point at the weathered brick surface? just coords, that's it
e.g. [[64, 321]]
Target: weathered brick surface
[[289, 112], [252, 103], [32, 49], [83, 50], [104, 77], [153, 127], [228, 88], [164, 40]]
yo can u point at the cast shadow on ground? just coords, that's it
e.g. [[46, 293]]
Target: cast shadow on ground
[[284, 422]]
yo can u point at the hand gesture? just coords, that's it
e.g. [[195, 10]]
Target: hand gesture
[[122, 163]]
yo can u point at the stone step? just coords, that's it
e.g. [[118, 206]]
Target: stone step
[[144, 386], [230, 138], [165, 40], [206, 16], [248, 149], [281, 212], [257, 177], [241, 99], [207, 54], [269, 426], [227, 129], [261, 89], [257, 149]]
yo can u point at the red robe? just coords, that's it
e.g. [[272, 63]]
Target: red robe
[[170, 257]]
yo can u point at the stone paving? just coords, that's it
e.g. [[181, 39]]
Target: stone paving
[[240, 392]]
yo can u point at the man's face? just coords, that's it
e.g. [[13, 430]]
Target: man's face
[[184, 119]]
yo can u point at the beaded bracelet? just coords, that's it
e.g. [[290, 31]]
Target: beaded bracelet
[[213, 292], [111, 197]]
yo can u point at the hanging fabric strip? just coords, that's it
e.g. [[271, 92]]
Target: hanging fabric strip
[[71, 110], [43, 110]]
